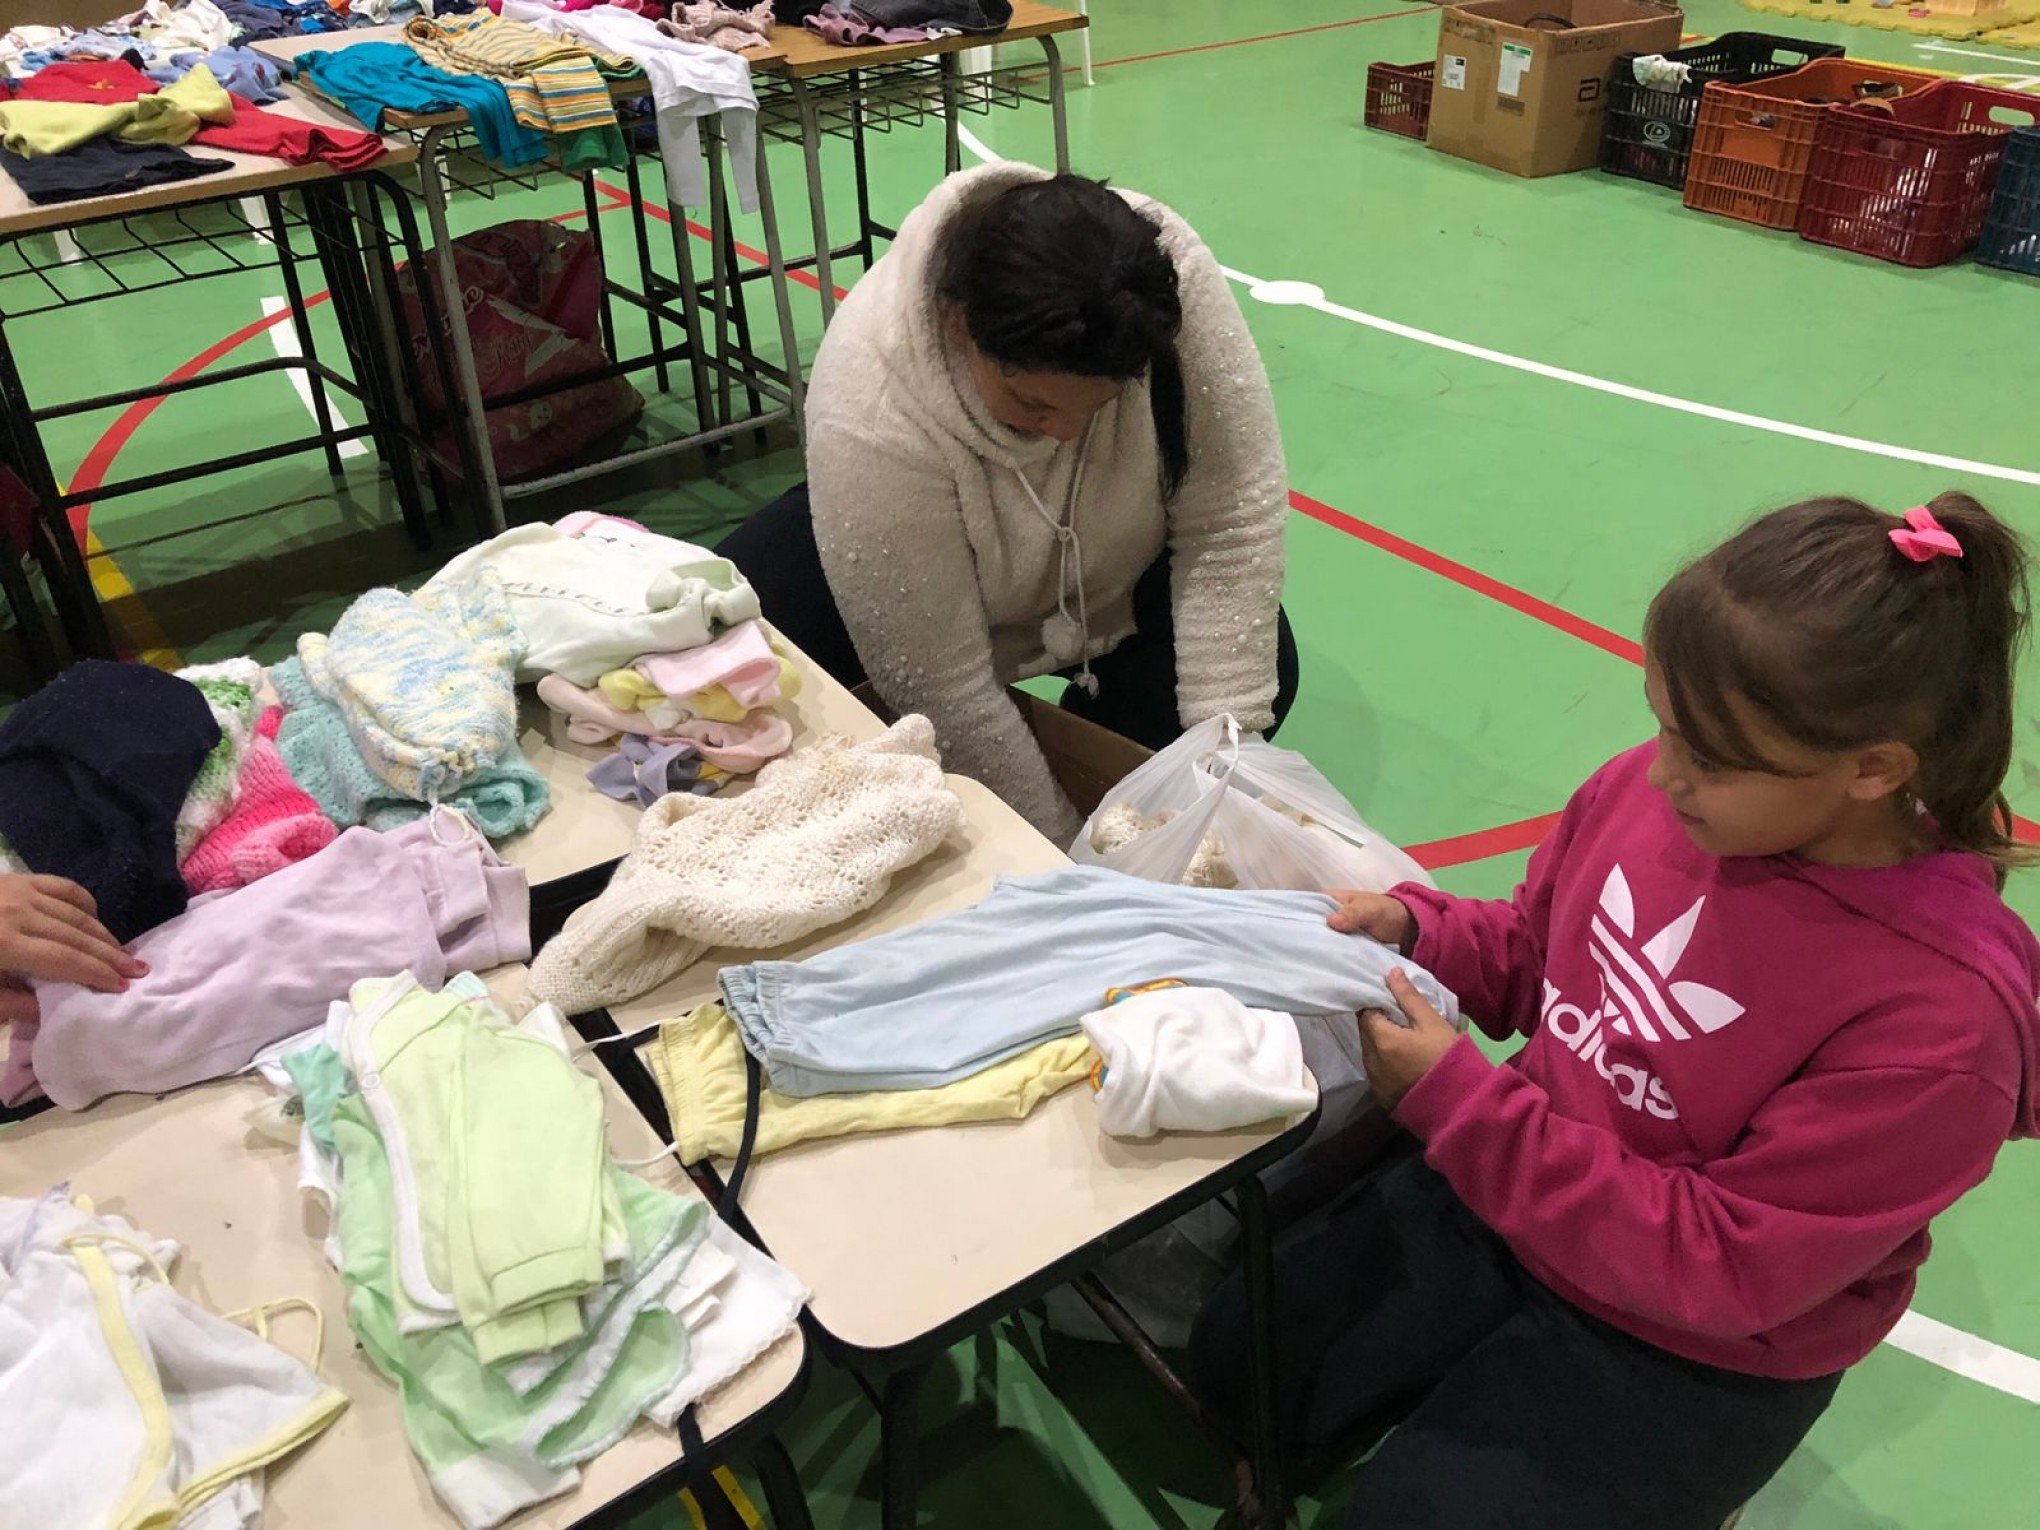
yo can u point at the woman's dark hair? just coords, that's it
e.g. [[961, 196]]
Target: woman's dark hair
[[1820, 623], [1064, 276]]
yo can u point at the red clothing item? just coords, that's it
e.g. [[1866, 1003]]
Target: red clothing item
[[253, 130], [106, 83], [291, 139], [1749, 1085]]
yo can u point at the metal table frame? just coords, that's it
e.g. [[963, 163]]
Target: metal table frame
[[846, 103], [448, 161], [342, 221], [892, 1378]]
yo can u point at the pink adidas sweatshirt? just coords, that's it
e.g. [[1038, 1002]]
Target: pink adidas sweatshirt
[[1749, 1085]]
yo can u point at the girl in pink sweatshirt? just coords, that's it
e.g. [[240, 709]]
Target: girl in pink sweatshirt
[[1777, 1018]]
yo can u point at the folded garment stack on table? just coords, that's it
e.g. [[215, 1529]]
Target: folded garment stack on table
[[880, 23], [721, 26], [639, 637], [689, 81], [372, 79], [270, 823], [408, 704], [122, 1401], [941, 1001], [241, 970], [558, 86], [530, 1300]]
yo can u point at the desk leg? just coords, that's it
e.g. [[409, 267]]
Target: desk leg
[[1058, 105], [1258, 1249], [643, 236], [899, 1424], [472, 416], [782, 299], [952, 122], [783, 1494], [56, 547], [818, 212], [301, 322]]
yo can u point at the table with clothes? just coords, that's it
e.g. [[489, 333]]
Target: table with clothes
[[372, 1281]]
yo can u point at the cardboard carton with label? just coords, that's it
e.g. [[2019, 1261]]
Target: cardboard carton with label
[[1521, 84]]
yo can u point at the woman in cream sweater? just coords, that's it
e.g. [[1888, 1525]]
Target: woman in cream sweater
[[1040, 441]]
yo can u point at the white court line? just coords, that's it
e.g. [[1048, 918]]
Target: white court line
[[284, 338], [1305, 295], [2005, 1370], [1965, 1354]]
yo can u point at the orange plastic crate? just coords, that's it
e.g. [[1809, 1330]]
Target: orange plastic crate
[[1910, 180], [1753, 143]]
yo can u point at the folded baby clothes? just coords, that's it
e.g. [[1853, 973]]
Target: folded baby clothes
[[739, 747], [122, 1401], [698, 1060], [231, 690], [504, 1208], [641, 771], [504, 799], [940, 1001], [740, 660], [592, 602], [1194, 1059], [629, 690], [423, 682], [489, 1448], [273, 823], [94, 770], [817, 839], [246, 968]]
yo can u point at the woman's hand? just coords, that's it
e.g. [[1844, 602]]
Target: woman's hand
[[49, 931], [1375, 914], [1396, 1056]]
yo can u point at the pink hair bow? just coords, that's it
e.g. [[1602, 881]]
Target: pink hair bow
[[1923, 539]]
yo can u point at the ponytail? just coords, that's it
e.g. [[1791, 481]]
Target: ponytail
[[1064, 275]]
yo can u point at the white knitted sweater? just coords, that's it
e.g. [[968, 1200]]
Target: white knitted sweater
[[816, 840], [946, 574]]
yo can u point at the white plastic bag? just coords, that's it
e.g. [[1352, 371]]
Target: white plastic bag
[[1218, 783]]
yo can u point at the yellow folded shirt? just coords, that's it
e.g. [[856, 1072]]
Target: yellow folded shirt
[[698, 1060], [629, 691], [171, 116]]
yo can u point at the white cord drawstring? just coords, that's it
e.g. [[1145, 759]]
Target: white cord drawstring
[[1067, 543]]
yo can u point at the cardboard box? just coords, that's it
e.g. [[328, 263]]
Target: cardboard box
[[1088, 760], [1515, 90]]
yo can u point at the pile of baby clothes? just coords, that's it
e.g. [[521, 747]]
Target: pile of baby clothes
[[409, 704], [644, 641], [530, 1300], [883, 23], [122, 1401]]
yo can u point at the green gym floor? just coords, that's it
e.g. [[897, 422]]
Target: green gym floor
[[1509, 408]]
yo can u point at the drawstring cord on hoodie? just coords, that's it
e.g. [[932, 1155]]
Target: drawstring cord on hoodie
[[1068, 543]]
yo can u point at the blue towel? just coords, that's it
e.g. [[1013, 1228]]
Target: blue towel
[[937, 1002], [371, 78]]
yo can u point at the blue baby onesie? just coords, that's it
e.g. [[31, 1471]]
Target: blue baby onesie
[[939, 1001]]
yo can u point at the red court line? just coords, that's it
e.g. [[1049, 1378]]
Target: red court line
[[1241, 42], [1525, 834], [1472, 578], [805, 279]]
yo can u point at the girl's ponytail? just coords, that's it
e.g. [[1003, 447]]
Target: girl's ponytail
[[1963, 768]]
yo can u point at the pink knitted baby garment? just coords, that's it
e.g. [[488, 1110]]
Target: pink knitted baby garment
[[273, 825]]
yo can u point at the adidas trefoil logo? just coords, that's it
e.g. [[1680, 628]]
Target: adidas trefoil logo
[[1638, 997]]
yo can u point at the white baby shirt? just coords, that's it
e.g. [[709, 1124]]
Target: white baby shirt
[[1195, 1059]]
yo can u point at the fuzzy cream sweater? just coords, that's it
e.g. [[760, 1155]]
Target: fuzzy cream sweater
[[816, 840], [945, 572]]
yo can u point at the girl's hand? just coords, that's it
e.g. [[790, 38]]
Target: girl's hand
[[1375, 914], [49, 930], [1396, 1057]]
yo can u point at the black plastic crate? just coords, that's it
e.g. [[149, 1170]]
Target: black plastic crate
[[2011, 234], [1648, 131]]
